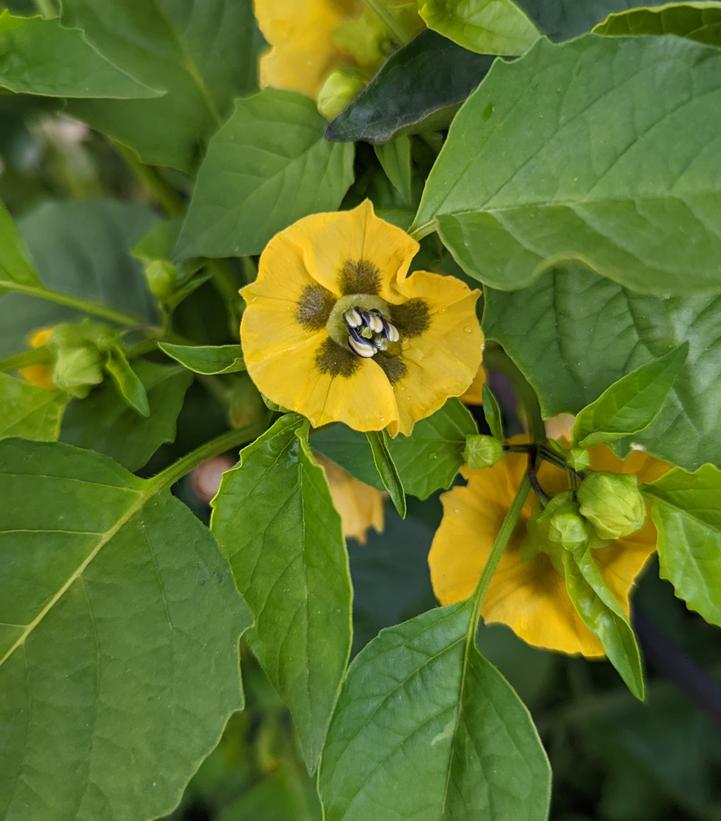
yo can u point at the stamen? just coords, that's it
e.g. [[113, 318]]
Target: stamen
[[361, 347], [353, 318], [391, 332], [375, 322]]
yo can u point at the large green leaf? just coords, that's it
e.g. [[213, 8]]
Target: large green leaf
[[419, 86], [28, 411], [427, 461], [698, 21], [593, 178], [574, 333], [485, 26], [105, 423], [202, 52], [631, 404], [274, 520], [563, 19], [686, 510], [80, 248], [601, 612], [267, 167], [118, 639], [41, 57], [427, 729], [15, 264]]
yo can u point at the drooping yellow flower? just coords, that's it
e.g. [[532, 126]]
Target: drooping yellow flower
[[334, 328], [528, 594], [303, 50], [359, 505], [39, 375]]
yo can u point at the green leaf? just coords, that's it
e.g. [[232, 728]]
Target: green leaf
[[510, 201], [564, 19], [204, 53], [118, 642], [28, 411], [573, 334], [206, 359], [493, 415], [601, 612], [699, 21], [427, 461], [418, 88], [631, 404], [82, 249], [104, 423], [421, 709], [485, 26], [15, 264], [127, 382], [395, 157], [686, 509], [267, 167], [275, 522], [387, 470], [41, 57]]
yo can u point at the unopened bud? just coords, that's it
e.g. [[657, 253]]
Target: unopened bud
[[482, 451], [77, 370], [578, 458], [612, 503], [338, 92], [160, 275]]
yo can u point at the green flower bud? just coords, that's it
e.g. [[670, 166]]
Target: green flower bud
[[568, 528], [482, 451], [338, 92], [160, 276], [612, 503], [578, 458], [78, 369]]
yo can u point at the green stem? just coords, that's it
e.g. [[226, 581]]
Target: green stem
[[82, 305], [399, 35], [166, 196], [35, 356], [502, 538], [424, 230], [221, 444]]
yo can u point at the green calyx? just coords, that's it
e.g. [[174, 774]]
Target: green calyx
[[339, 90], [557, 528], [78, 352], [612, 503], [482, 451]]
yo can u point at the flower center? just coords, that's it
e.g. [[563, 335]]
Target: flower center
[[360, 323]]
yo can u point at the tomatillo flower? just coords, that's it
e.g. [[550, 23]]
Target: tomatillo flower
[[335, 330], [527, 593], [359, 505], [303, 51]]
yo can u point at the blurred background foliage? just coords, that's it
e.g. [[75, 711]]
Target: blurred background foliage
[[613, 758]]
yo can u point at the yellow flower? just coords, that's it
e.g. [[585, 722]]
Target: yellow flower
[[300, 32], [359, 505], [529, 595], [334, 328], [39, 375]]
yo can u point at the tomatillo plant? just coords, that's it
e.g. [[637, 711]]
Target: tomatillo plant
[[331, 334]]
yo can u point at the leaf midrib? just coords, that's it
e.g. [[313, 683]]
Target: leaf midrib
[[144, 496]]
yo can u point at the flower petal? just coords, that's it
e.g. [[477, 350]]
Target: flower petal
[[299, 380], [301, 37], [359, 505], [354, 251], [442, 354]]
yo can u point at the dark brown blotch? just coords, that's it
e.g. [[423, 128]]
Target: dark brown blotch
[[359, 276], [393, 367], [336, 361], [314, 307], [412, 318]]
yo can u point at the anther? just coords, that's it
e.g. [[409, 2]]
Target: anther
[[391, 332], [361, 347], [375, 323], [353, 318]]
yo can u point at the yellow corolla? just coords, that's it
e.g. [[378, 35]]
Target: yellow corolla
[[528, 594], [334, 328], [39, 375], [359, 505], [474, 394], [303, 50]]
